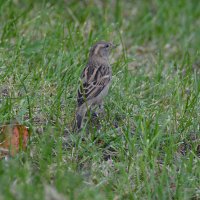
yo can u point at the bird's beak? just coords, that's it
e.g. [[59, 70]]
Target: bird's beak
[[113, 46]]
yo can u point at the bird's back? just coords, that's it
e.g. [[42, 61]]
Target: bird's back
[[94, 79]]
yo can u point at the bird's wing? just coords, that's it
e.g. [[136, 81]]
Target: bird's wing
[[93, 81]]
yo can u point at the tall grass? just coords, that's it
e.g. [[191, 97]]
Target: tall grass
[[147, 145]]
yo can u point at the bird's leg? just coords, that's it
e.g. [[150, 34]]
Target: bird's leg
[[80, 115], [92, 112], [101, 107], [95, 110]]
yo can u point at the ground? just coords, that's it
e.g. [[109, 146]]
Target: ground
[[146, 145]]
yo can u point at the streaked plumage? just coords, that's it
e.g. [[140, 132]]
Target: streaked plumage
[[95, 80]]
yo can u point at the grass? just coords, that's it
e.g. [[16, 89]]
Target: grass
[[147, 147]]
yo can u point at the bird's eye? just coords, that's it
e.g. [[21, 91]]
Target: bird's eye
[[107, 45]]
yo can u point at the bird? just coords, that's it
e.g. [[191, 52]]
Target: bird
[[95, 80]]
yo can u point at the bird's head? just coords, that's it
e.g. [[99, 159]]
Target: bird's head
[[101, 50]]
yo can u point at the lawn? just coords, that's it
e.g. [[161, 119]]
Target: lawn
[[147, 143]]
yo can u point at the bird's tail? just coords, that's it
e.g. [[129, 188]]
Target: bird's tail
[[79, 120], [80, 114]]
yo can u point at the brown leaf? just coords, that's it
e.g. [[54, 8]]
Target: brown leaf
[[14, 137]]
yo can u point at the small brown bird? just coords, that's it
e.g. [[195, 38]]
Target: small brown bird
[[95, 80]]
